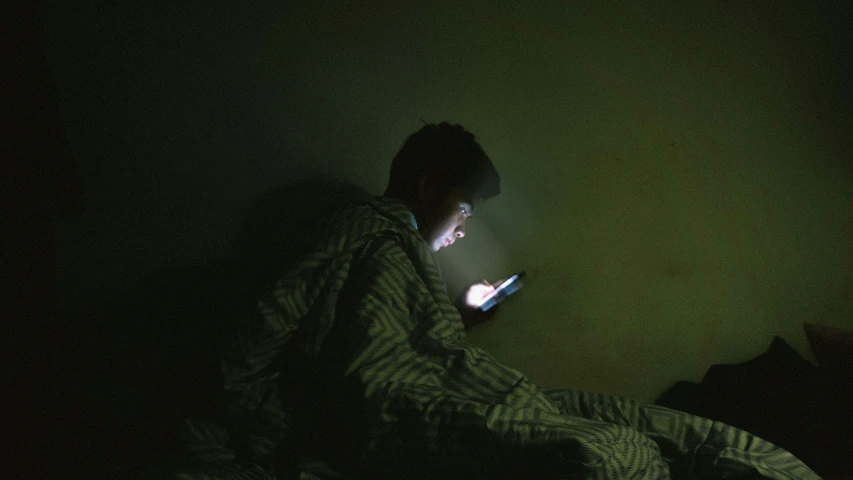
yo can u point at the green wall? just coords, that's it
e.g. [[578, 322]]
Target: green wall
[[677, 180]]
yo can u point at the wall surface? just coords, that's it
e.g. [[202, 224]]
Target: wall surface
[[677, 180]]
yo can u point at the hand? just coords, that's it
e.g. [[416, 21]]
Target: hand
[[468, 301], [477, 292]]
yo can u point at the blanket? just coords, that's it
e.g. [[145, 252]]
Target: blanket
[[364, 327]]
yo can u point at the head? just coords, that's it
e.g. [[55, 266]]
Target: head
[[443, 174]]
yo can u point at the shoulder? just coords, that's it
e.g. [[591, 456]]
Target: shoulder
[[379, 217]]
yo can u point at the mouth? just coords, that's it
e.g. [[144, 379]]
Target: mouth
[[448, 242]]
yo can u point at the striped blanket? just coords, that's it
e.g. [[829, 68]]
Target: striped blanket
[[359, 344]]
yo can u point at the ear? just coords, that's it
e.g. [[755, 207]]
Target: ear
[[427, 190]]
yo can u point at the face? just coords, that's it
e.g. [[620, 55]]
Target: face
[[444, 224]]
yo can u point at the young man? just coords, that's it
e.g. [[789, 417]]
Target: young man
[[359, 359], [442, 175], [358, 255]]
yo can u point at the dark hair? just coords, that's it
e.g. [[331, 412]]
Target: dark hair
[[450, 156]]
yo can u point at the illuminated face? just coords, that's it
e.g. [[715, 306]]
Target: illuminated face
[[443, 225]]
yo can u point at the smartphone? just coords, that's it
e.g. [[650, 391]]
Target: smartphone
[[505, 289]]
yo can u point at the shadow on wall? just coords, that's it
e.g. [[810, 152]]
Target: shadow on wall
[[270, 234], [122, 373]]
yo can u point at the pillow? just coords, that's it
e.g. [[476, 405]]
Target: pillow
[[832, 346]]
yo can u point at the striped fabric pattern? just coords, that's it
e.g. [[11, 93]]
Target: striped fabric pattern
[[368, 311]]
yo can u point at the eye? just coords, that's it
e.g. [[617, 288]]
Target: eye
[[465, 211]]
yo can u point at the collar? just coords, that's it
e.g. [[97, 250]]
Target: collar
[[414, 220]]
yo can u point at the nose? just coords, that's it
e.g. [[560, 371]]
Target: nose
[[460, 231]]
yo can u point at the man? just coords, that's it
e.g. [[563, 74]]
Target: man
[[358, 358], [442, 175]]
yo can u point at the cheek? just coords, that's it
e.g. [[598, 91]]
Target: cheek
[[453, 223]]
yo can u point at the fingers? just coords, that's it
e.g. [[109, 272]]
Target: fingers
[[478, 292]]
